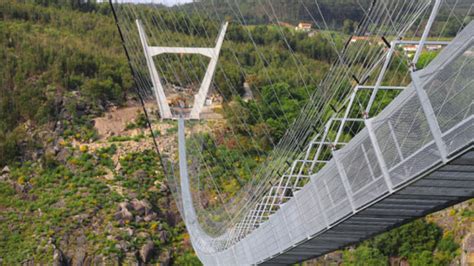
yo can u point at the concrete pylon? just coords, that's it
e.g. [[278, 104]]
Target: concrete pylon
[[200, 97]]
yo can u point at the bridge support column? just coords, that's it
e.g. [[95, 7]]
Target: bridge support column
[[163, 107], [430, 117]]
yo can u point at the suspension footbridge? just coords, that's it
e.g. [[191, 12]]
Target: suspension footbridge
[[364, 156]]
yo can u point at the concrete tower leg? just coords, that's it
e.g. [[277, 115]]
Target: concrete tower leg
[[200, 97]]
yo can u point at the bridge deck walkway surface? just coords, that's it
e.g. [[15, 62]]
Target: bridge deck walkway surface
[[441, 188]]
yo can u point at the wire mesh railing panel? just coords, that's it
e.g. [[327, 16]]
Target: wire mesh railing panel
[[389, 144], [242, 254], [255, 247], [269, 240], [463, 133], [207, 259], [410, 130], [227, 258], [451, 93], [280, 229], [293, 220], [311, 212], [362, 169], [261, 241], [246, 244], [329, 186], [451, 90]]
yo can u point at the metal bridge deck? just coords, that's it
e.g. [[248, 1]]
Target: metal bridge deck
[[442, 187]]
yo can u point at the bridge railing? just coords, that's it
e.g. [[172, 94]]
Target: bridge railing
[[399, 144], [450, 91], [362, 168], [401, 133]]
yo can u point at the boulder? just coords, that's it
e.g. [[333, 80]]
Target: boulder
[[109, 227], [124, 245], [59, 259], [62, 155], [5, 170], [21, 188], [132, 194], [127, 216], [80, 256], [59, 204], [163, 235], [142, 207], [28, 262], [152, 216], [172, 218], [143, 235], [81, 218], [147, 250], [118, 167], [129, 231], [124, 205], [123, 214], [58, 128], [138, 219], [81, 240], [165, 258], [161, 186], [130, 259], [5, 173], [98, 260]]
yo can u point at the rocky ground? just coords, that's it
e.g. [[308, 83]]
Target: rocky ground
[[109, 204], [451, 219], [100, 202]]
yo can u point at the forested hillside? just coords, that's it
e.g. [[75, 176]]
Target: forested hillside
[[335, 14], [257, 12], [58, 65], [63, 199], [75, 189], [69, 193]]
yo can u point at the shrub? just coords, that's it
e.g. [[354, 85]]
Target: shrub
[[364, 256], [415, 237]]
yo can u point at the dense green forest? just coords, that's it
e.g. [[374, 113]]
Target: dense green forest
[[338, 14], [57, 63], [262, 12], [62, 65]]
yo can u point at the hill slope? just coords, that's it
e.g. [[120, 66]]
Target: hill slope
[[79, 178]]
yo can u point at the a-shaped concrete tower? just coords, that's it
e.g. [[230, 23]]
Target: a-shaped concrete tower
[[200, 97]]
